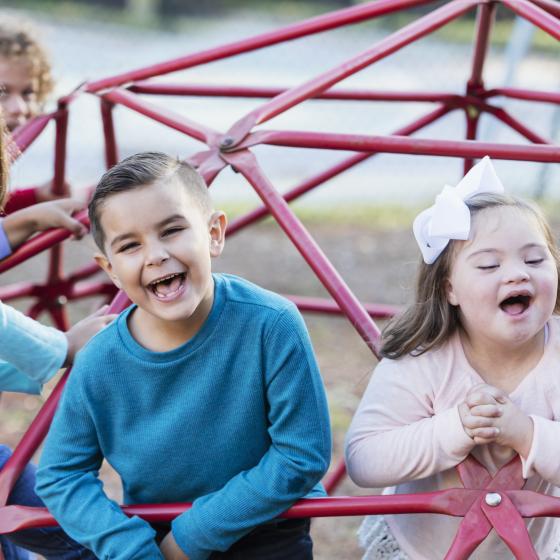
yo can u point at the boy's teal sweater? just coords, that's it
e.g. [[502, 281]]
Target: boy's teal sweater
[[235, 420]]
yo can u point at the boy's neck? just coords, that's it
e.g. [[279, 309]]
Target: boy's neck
[[160, 335], [501, 366]]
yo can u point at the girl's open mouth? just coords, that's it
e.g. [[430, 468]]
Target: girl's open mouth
[[516, 305], [168, 287]]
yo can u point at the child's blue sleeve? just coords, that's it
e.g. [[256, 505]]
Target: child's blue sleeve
[[295, 462], [67, 481], [5, 248], [30, 353]]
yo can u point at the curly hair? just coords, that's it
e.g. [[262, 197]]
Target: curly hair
[[18, 41]]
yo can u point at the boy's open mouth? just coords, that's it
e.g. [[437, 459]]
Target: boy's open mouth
[[167, 286], [516, 305]]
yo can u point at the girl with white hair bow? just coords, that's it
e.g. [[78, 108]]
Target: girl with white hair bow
[[471, 367]]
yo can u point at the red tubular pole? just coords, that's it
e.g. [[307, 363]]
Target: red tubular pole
[[550, 6], [40, 425], [540, 17], [319, 179], [333, 478], [26, 134], [14, 291], [472, 531], [519, 127], [525, 94], [472, 116], [163, 116], [346, 16], [246, 163], [30, 442], [484, 19], [111, 153], [157, 88], [401, 145], [449, 502], [510, 527], [329, 307], [55, 274], [385, 47]]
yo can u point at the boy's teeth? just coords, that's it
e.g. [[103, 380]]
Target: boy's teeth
[[167, 285], [166, 288]]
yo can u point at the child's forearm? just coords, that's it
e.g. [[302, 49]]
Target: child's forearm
[[19, 227], [522, 436]]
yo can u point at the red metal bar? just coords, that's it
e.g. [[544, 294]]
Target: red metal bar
[[533, 504], [473, 474], [25, 135], [209, 164], [15, 291], [525, 94], [423, 26], [330, 307], [400, 145], [512, 122], [111, 152], [56, 270], [550, 6], [158, 88], [472, 116], [91, 289], [346, 16], [508, 524], [484, 18], [30, 442], [85, 272], [163, 116], [536, 15], [246, 164], [40, 425], [472, 531], [449, 502], [334, 477], [324, 176]]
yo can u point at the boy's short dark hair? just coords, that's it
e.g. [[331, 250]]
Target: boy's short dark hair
[[138, 171]]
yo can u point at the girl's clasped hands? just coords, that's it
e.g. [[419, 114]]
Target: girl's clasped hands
[[490, 416]]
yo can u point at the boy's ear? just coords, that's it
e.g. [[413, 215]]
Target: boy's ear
[[217, 231], [105, 264]]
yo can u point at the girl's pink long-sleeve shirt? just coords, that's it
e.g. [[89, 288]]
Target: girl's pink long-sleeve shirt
[[407, 436]]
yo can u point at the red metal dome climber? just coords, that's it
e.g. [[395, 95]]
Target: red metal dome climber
[[485, 502]]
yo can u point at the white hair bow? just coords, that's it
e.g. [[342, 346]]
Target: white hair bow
[[449, 218]]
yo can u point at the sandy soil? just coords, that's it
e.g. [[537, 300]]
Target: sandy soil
[[378, 265]]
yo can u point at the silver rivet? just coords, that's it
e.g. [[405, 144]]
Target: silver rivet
[[493, 499]]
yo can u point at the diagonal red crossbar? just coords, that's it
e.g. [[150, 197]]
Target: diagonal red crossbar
[[231, 149]]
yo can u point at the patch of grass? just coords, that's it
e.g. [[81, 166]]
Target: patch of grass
[[384, 217]]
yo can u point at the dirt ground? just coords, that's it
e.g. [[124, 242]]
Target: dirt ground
[[377, 264]]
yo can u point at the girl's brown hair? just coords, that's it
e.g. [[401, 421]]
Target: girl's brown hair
[[18, 42], [431, 320]]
